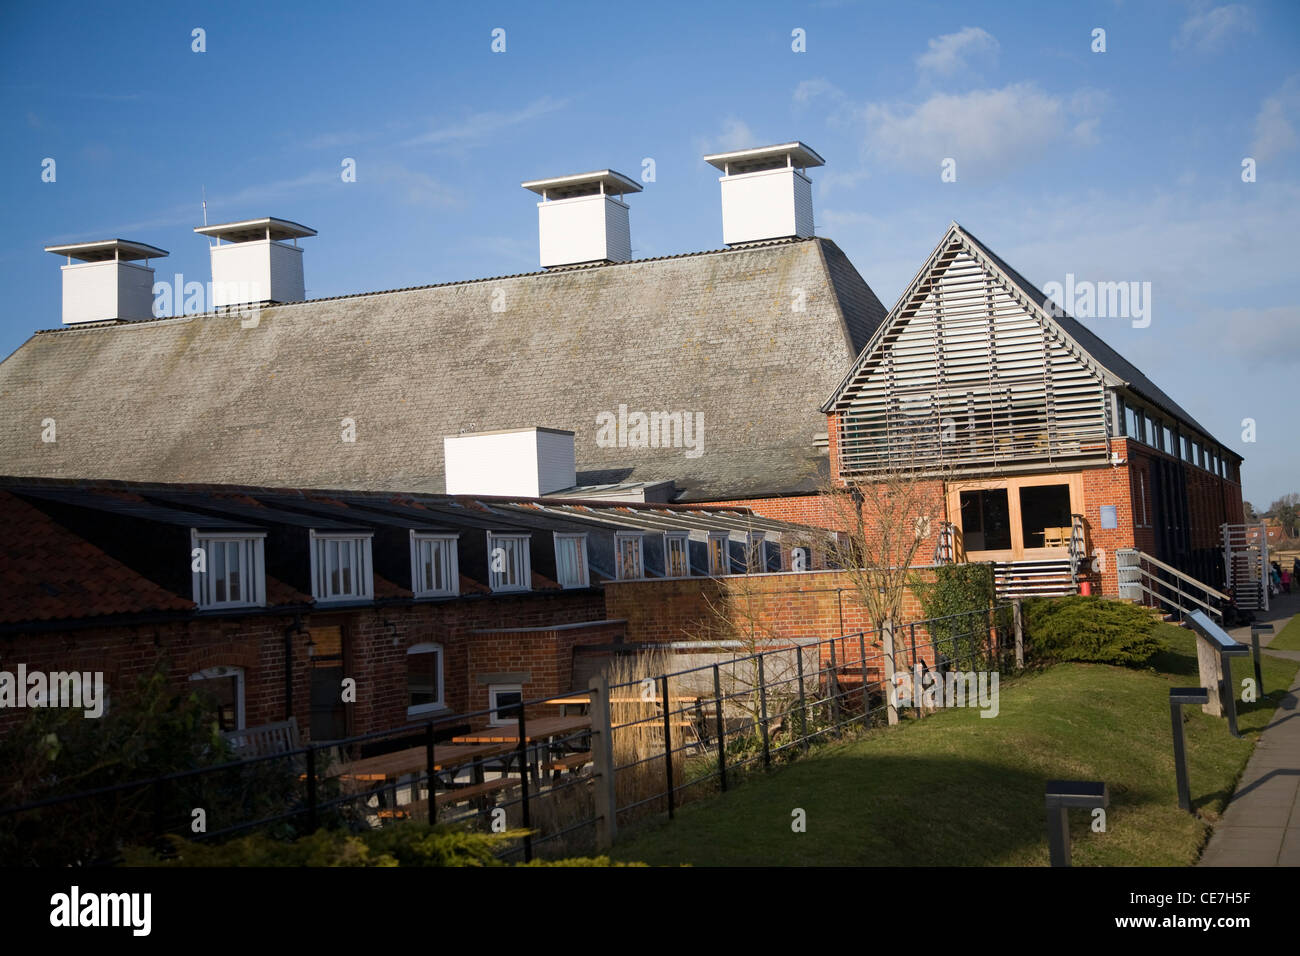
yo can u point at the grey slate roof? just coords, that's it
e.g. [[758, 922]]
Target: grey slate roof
[[199, 398]]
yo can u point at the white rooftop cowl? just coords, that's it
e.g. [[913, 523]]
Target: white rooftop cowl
[[513, 463], [765, 193], [582, 218], [105, 282], [251, 262]]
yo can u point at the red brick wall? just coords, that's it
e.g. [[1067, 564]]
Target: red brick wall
[[546, 655], [124, 654], [379, 665], [818, 605], [256, 644]]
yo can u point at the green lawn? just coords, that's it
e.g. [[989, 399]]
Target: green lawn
[[1288, 639], [957, 789]]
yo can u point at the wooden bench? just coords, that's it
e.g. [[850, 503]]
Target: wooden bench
[[277, 738], [447, 798], [569, 762]]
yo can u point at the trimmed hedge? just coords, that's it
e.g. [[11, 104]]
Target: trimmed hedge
[[1093, 629]]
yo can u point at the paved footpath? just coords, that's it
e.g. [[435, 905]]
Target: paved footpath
[[1261, 825]]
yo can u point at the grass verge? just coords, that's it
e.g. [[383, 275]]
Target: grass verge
[[1288, 639], [958, 789]]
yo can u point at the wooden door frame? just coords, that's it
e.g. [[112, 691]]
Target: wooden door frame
[[1010, 484]]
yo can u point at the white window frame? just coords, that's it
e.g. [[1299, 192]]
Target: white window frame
[[495, 719], [252, 582], [584, 574], [429, 647], [725, 539], [671, 538], [619, 538], [451, 562], [223, 672], [364, 578], [756, 545], [523, 562]]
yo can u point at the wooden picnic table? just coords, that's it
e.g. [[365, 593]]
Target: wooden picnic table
[[415, 760], [535, 731], [538, 735]]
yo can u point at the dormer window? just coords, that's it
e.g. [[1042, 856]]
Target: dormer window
[[677, 562], [228, 570], [571, 560], [509, 565], [435, 568], [630, 557], [340, 567], [719, 553]]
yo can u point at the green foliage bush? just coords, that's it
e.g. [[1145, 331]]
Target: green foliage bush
[[956, 596], [150, 730], [1079, 628], [409, 844]]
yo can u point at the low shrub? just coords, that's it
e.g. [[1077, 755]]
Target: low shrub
[[409, 844], [1093, 629]]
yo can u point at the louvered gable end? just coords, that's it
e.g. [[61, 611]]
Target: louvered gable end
[[967, 375]]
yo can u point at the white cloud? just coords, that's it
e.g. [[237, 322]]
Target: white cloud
[[949, 53], [415, 188], [1275, 126], [479, 126], [735, 134], [982, 129], [1209, 28], [1258, 335]]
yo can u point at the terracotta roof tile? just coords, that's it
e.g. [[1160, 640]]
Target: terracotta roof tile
[[47, 573]]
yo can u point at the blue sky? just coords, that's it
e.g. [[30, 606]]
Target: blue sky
[[1115, 166]]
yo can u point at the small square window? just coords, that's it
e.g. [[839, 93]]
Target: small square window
[[435, 570], [677, 561], [232, 572], [424, 679], [341, 569], [630, 557], [571, 560], [509, 564], [719, 553], [504, 701]]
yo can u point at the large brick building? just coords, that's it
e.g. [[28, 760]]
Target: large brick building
[[1050, 454], [268, 599]]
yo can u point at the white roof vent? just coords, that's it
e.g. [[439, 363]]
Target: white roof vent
[[512, 463], [105, 282], [765, 193], [583, 218], [256, 265]]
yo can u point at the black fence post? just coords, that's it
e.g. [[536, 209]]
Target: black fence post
[[914, 682], [524, 768], [866, 693], [803, 706], [312, 821], [762, 704], [158, 825], [668, 744], [721, 728], [429, 768], [833, 687]]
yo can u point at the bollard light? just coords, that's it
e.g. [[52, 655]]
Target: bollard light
[[1178, 696], [1061, 796], [1255, 631]]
